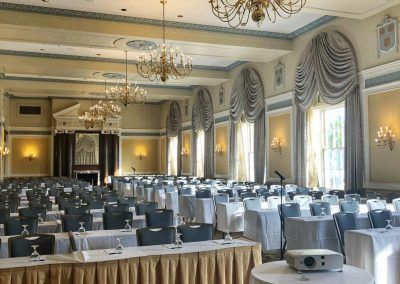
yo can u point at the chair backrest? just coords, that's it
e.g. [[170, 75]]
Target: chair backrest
[[252, 203], [346, 206], [196, 232], [375, 204], [332, 199], [339, 193], [203, 193], [63, 203], [221, 198], [20, 246], [32, 212], [353, 197], [378, 218], [160, 218], [274, 201], [117, 208], [316, 208], [185, 191], [396, 204], [70, 223], [77, 210], [155, 236], [391, 196], [245, 195], [302, 200], [344, 222], [142, 208], [96, 204], [131, 201], [288, 210], [4, 215], [116, 220], [226, 191], [316, 194], [13, 226]]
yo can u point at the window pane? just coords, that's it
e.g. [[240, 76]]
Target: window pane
[[200, 154]]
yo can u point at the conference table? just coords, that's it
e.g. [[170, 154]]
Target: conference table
[[315, 232], [376, 251], [199, 262]]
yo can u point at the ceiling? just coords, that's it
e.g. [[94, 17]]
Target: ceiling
[[63, 48]]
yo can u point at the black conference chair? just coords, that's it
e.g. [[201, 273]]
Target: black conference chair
[[33, 212], [316, 195], [111, 197], [391, 196], [4, 215], [316, 208], [349, 206], [13, 207], [378, 218], [20, 246], [142, 208], [287, 210], [343, 223], [116, 220], [13, 226], [77, 210], [70, 223], [196, 232], [131, 201], [353, 197], [40, 203], [96, 204], [252, 203], [117, 208], [339, 193], [63, 203], [226, 191], [155, 236], [203, 193], [248, 195], [159, 218]]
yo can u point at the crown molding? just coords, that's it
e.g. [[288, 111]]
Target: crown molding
[[279, 98], [136, 20]]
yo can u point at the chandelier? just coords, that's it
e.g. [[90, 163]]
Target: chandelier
[[163, 64], [237, 12], [91, 118], [127, 94]]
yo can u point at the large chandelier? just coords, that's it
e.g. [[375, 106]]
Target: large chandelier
[[237, 12], [163, 64], [127, 94], [92, 118]]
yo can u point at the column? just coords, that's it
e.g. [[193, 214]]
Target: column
[[2, 137]]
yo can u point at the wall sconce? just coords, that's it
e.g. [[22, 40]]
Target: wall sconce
[[30, 157], [276, 145], [184, 152], [141, 155], [219, 150], [4, 151], [385, 139]]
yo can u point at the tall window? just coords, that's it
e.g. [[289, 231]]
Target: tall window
[[245, 151], [200, 154], [173, 156], [325, 147]]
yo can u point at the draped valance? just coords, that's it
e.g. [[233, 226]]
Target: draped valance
[[202, 111], [328, 67], [247, 96], [174, 124]]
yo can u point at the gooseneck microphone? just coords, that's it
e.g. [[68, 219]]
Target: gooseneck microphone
[[280, 175]]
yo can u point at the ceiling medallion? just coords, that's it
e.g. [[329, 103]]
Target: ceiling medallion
[[237, 12], [141, 45], [164, 64], [114, 76]]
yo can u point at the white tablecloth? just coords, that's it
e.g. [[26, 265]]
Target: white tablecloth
[[104, 239], [230, 217], [280, 273], [171, 201], [43, 228], [148, 194], [204, 211], [376, 251], [319, 232], [187, 206]]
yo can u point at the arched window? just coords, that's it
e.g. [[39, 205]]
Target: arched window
[[174, 140]]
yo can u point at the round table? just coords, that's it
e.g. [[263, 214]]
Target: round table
[[279, 273]]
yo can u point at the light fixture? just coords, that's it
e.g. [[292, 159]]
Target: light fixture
[[125, 94], [276, 145], [237, 12], [219, 150], [30, 157], [184, 152], [163, 64], [4, 151], [386, 138], [141, 155]]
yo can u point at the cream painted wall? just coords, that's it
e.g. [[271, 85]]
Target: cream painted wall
[[19, 120], [279, 126], [221, 161], [186, 159], [132, 147], [383, 109], [163, 155], [21, 147]]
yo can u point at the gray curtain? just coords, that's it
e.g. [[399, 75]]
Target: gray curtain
[[174, 129], [247, 101], [203, 119], [328, 69]]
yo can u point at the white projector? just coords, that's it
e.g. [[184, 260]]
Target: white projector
[[314, 259]]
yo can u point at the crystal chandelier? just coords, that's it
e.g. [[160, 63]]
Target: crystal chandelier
[[237, 12], [163, 64], [91, 118], [126, 94]]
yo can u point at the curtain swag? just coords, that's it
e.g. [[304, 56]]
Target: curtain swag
[[202, 111], [174, 125]]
